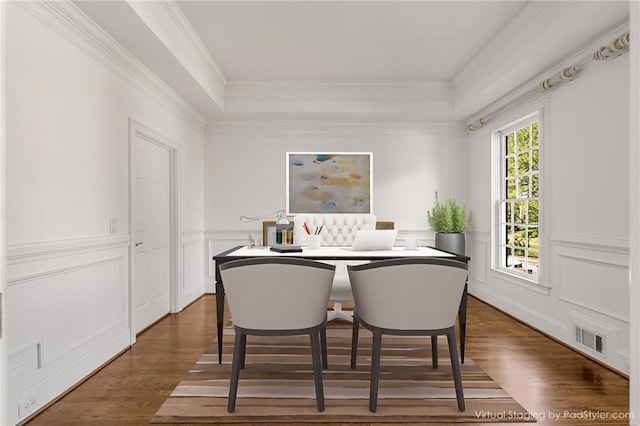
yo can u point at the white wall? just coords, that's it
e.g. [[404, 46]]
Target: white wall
[[634, 200], [245, 173], [584, 190], [67, 293], [3, 221]]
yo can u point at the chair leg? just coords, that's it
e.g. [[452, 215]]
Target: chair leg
[[323, 345], [317, 369], [376, 349], [235, 370], [243, 350], [434, 351], [455, 367], [355, 329]]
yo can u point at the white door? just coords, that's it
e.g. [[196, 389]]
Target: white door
[[151, 233]]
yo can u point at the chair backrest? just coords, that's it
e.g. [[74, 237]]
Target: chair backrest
[[337, 229], [277, 293], [408, 294]]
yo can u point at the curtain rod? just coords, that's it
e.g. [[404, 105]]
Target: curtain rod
[[617, 47]]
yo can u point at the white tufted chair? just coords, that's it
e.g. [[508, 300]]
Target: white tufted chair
[[338, 230]]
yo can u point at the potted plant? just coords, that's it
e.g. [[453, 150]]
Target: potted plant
[[449, 220]]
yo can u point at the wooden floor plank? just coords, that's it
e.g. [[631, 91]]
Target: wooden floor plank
[[545, 377]]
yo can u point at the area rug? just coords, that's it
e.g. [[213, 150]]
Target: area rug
[[277, 385]]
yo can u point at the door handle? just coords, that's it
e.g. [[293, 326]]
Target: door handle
[[138, 244]]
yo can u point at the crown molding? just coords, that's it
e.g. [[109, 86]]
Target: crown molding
[[340, 90], [318, 100], [167, 22], [578, 57], [317, 127], [66, 19], [514, 30], [533, 41], [181, 21]]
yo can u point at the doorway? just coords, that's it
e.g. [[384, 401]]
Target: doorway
[[154, 227]]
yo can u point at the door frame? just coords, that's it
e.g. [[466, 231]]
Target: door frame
[[136, 130]]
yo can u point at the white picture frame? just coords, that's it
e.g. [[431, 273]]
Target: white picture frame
[[326, 182]]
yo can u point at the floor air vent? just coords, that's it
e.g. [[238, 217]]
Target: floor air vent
[[590, 339]]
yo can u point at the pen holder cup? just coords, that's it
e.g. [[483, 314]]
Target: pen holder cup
[[314, 241], [411, 244]]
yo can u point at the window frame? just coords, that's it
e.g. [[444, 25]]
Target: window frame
[[536, 282]]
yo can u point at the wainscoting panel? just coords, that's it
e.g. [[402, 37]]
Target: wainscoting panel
[[598, 286], [592, 277], [193, 267], [478, 250], [218, 241], [67, 312], [592, 285], [587, 293]]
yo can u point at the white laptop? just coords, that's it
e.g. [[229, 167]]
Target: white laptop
[[379, 239]]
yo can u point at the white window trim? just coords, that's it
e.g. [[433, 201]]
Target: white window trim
[[517, 119]]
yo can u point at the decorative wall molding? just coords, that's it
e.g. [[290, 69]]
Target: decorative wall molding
[[366, 101], [519, 280], [62, 270], [43, 362], [337, 90], [69, 21], [527, 314], [191, 236], [193, 267], [596, 309], [181, 21], [23, 252], [105, 332], [166, 20], [634, 222], [337, 128], [488, 56], [584, 291], [241, 234], [594, 325], [229, 234], [591, 242], [478, 250]]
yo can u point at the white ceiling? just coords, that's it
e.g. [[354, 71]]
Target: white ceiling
[[346, 41], [365, 60]]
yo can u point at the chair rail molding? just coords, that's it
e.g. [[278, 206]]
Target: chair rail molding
[[32, 251], [194, 235], [591, 242]]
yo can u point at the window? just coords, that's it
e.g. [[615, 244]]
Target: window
[[517, 233]]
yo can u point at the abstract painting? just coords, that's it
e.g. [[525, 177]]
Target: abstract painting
[[329, 182]]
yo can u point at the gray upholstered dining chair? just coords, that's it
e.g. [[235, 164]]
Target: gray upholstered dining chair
[[410, 297], [300, 286]]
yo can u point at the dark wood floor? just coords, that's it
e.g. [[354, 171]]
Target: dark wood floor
[[544, 376]]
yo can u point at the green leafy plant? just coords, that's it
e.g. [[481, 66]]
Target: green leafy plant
[[448, 216]]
